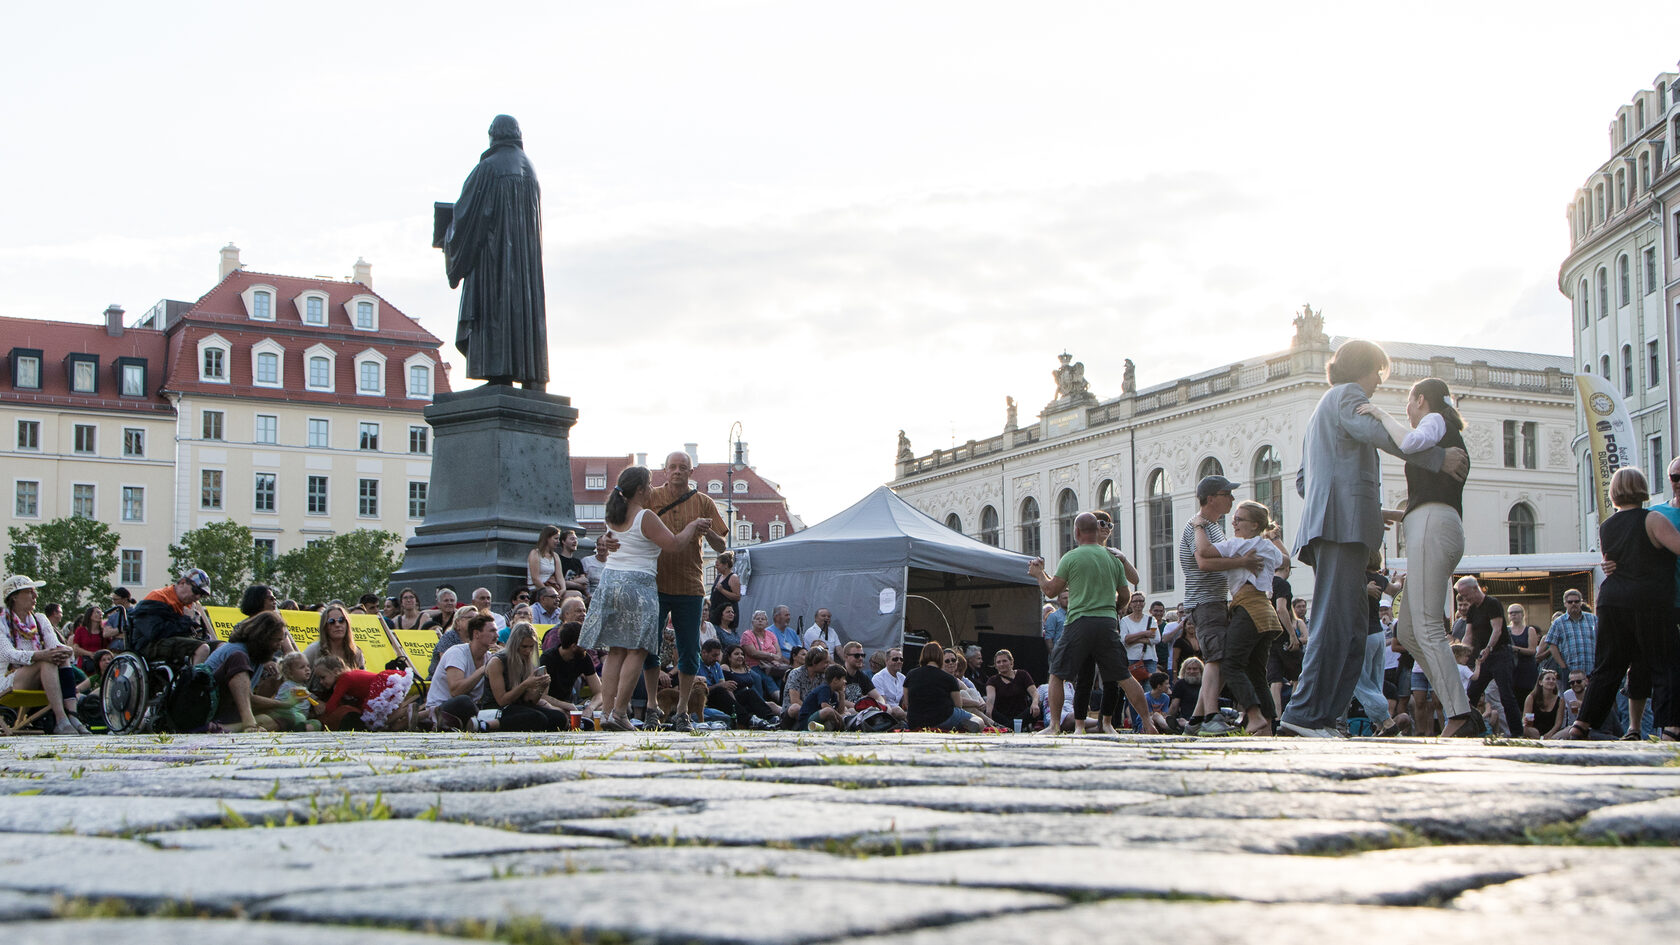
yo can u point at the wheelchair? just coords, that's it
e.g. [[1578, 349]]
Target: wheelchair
[[141, 696]]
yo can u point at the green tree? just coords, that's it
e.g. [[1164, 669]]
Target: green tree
[[343, 567], [76, 556], [225, 551]]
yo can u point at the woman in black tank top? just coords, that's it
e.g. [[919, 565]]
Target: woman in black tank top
[[726, 589], [1635, 609]]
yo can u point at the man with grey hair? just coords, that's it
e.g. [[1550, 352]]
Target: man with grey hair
[[482, 600], [975, 671], [820, 633], [786, 636]]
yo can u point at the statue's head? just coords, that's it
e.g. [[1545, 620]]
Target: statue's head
[[503, 127]]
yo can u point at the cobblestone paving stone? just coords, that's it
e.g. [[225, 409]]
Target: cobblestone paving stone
[[779, 837]]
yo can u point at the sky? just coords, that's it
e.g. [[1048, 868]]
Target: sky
[[832, 221]]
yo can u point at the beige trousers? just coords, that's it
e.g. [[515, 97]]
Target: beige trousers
[[1434, 544]]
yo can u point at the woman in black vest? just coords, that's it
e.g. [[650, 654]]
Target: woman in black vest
[[1434, 531]]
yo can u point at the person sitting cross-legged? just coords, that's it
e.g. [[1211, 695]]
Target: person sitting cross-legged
[[825, 707]]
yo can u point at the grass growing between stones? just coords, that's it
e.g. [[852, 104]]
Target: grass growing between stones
[[523, 930], [121, 909]]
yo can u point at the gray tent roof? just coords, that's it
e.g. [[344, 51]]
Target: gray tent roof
[[883, 530]]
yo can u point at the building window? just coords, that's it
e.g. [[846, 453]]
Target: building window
[[210, 489], [1598, 198], [1268, 481], [743, 531], [417, 499], [1624, 280], [1653, 365], [1650, 269], [989, 530], [263, 549], [1644, 171], [1621, 188], [1160, 532], [419, 380], [1067, 509], [1209, 467], [1659, 467], [134, 503], [262, 306], [267, 429], [82, 500], [1627, 370], [1583, 302], [320, 373], [215, 365], [599, 482], [368, 374], [133, 566], [367, 498], [29, 434], [1521, 444], [263, 493], [84, 375], [210, 425], [714, 487], [954, 522], [133, 380], [740, 487], [368, 437], [1108, 499], [1604, 366], [1030, 545], [777, 530], [28, 498], [1521, 526], [317, 495], [26, 372], [1603, 291], [85, 439], [364, 316], [419, 440], [268, 367], [317, 433], [315, 310]]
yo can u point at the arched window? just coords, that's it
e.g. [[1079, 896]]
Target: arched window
[[1604, 367], [1583, 301], [1623, 280], [714, 487], [1520, 522], [1160, 532], [1603, 292], [1030, 545], [1268, 481], [1627, 370], [1067, 509], [1108, 499], [954, 522], [1621, 188], [989, 526], [1209, 467]]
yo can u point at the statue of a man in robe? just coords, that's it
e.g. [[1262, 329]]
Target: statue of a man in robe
[[493, 244]]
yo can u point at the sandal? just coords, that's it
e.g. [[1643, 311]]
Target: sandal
[[1632, 735], [1669, 734], [1577, 732]]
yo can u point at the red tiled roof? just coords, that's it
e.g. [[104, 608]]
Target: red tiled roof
[[761, 504], [224, 304], [184, 368], [57, 339]]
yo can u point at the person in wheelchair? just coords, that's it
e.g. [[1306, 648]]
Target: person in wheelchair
[[164, 627]]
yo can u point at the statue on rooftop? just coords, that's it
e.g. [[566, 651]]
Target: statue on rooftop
[[1128, 380], [1070, 378], [1009, 414]]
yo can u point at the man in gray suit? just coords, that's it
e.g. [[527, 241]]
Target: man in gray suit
[[1342, 521]]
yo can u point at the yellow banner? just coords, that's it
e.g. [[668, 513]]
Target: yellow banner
[[1611, 436], [418, 645], [305, 627]]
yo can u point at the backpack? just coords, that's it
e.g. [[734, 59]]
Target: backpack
[[190, 704], [872, 719]]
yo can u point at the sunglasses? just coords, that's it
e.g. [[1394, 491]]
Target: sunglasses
[[333, 620]]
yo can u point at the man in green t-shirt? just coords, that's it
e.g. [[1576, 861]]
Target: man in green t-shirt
[[1095, 581]]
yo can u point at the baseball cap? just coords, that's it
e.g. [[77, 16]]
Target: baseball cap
[[198, 579], [1213, 485]]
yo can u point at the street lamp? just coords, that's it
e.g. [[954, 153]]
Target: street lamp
[[736, 458]]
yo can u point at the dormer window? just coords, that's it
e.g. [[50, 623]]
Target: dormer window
[[131, 377], [84, 373], [268, 363], [213, 356], [259, 302], [320, 363], [312, 307], [370, 373], [363, 311], [26, 368], [418, 372], [714, 487], [741, 487]]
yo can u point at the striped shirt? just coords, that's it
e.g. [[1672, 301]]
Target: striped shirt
[[1200, 587]]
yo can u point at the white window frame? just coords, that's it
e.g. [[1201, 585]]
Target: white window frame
[[140, 434], [217, 342], [94, 499], [309, 433], [16, 483], [596, 481], [777, 530], [123, 369], [137, 576], [204, 478], [425, 434], [123, 495], [75, 435], [302, 304], [714, 487], [740, 487], [249, 297], [419, 361], [273, 493], [32, 359], [326, 495], [350, 311], [425, 500], [269, 346], [363, 428], [362, 498], [743, 531], [36, 424], [221, 426], [320, 351], [364, 358], [92, 368], [257, 429]]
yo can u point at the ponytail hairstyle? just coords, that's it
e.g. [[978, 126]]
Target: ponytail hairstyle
[[631, 481], [1435, 396]]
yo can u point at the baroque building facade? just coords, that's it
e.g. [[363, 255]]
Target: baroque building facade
[[1141, 454], [1622, 277]]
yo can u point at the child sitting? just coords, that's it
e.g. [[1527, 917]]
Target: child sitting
[[825, 707], [1158, 699], [292, 714]]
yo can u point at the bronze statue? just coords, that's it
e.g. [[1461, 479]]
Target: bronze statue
[[492, 240]]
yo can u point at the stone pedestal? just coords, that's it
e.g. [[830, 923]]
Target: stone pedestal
[[501, 470]]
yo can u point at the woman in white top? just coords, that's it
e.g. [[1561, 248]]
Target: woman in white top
[[624, 618], [32, 657], [543, 563]]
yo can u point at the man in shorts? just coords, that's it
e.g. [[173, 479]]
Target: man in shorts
[[1204, 595], [1094, 580]]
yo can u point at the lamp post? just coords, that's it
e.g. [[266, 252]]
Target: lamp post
[[733, 449]]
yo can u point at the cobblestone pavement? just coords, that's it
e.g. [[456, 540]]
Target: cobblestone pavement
[[762, 837]]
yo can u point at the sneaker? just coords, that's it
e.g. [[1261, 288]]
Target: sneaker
[[70, 727], [760, 724], [1303, 731], [1216, 726], [1192, 728], [680, 722]]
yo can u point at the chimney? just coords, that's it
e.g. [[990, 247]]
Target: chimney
[[362, 272], [693, 451], [230, 261], [113, 320], [641, 459]]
